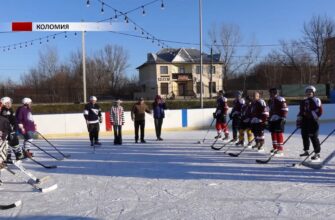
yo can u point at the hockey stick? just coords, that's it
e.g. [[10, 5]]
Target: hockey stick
[[10, 206], [238, 154], [44, 151], [42, 164], [274, 153], [61, 153], [320, 165], [203, 140], [214, 148], [301, 163]]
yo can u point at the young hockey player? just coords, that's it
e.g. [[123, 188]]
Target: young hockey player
[[308, 121], [117, 121], [13, 141], [5, 130], [277, 119], [235, 114], [259, 115], [26, 125], [92, 115], [244, 125], [221, 116]]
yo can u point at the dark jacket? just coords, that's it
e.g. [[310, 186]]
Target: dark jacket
[[5, 128], [158, 110], [9, 114], [138, 112], [92, 113]]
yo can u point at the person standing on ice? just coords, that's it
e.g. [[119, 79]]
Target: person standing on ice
[[244, 125], [92, 114], [117, 121], [5, 130], [235, 114], [158, 107], [138, 116], [26, 125], [259, 115], [308, 121], [220, 115], [278, 112], [13, 141]]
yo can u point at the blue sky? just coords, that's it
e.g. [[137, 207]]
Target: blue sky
[[266, 20]]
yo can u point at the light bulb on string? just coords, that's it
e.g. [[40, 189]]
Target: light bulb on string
[[8, 48], [75, 33], [20, 45], [54, 37], [88, 3], [102, 7], [135, 28], [47, 39], [31, 43], [162, 5], [142, 32], [153, 40], [143, 11], [126, 18], [26, 44], [40, 41], [115, 15], [65, 35], [14, 47]]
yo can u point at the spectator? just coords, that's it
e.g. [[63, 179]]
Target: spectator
[[158, 107], [138, 116]]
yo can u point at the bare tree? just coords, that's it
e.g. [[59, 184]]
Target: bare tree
[[226, 40], [316, 31]]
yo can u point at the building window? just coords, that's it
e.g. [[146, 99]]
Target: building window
[[181, 69], [198, 88], [164, 70], [197, 69], [164, 88], [213, 69], [212, 87]]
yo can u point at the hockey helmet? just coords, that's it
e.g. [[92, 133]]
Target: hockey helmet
[[6, 99], [26, 101], [274, 91], [312, 88], [93, 98]]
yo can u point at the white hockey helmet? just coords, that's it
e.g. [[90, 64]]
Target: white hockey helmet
[[310, 88], [5, 100], [93, 98], [26, 101]]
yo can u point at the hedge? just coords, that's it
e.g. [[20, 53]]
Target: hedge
[[62, 108]]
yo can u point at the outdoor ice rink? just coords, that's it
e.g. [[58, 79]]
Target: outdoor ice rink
[[175, 179]]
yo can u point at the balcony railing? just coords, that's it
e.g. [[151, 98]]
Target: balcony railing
[[182, 76]]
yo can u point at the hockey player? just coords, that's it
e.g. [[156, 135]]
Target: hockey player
[[92, 114], [26, 125], [278, 111], [221, 116], [5, 129], [308, 121], [244, 125], [13, 141], [259, 115], [235, 114], [117, 121]]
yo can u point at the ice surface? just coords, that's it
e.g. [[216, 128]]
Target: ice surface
[[174, 179]]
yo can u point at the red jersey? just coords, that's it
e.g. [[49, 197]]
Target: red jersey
[[310, 108], [222, 106], [259, 110], [278, 107], [237, 107]]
